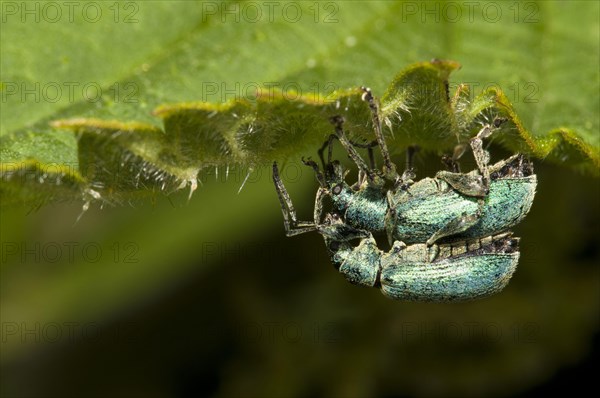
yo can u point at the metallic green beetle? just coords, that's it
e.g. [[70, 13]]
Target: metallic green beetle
[[470, 212], [454, 271], [480, 203], [429, 209], [451, 271], [434, 208]]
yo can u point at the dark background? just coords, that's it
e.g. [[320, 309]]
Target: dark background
[[272, 317], [208, 297]]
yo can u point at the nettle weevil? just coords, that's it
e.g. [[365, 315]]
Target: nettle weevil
[[467, 212], [452, 271], [482, 202], [429, 209], [460, 270], [432, 208]]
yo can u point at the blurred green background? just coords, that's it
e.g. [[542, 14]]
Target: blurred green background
[[168, 298]]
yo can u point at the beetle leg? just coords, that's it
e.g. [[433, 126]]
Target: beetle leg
[[334, 229], [371, 157], [290, 222], [451, 162], [390, 217], [482, 157], [318, 173], [329, 145], [411, 150], [369, 147], [406, 180], [466, 184], [458, 225], [338, 122], [318, 211], [470, 184], [389, 167], [362, 176]]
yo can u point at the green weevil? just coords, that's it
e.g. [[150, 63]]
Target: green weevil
[[454, 271], [428, 210], [468, 213], [432, 208], [459, 269], [480, 203]]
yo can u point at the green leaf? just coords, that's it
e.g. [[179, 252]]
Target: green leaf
[[221, 104], [543, 55]]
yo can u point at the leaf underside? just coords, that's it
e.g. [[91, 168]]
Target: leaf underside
[[123, 160]]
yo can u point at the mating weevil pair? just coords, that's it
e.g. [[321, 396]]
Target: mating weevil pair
[[468, 212]]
